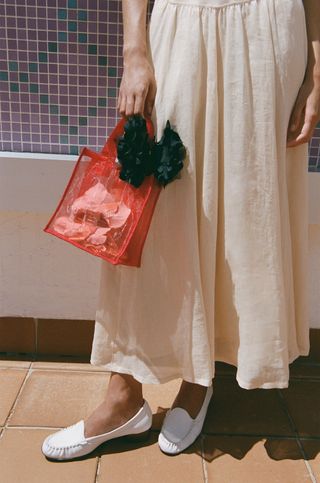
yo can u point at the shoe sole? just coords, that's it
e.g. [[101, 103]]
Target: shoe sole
[[134, 437]]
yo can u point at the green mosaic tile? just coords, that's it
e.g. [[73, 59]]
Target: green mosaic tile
[[74, 150], [14, 87], [82, 15], [72, 26], [62, 36], [112, 92], [92, 111], [62, 13], [23, 77], [112, 71], [33, 67], [43, 57], [52, 46], [54, 109], [63, 139], [63, 119], [102, 101], [4, 76], [13, 66], [73, 129], [72, 3], [82, 140], [92, 49], [82, 38], [82, 121], [44, 99], [34, 88], [102, 60]]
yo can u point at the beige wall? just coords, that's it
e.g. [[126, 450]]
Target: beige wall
[[42, 276]]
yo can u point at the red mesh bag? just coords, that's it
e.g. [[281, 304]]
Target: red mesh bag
[[102, 214]]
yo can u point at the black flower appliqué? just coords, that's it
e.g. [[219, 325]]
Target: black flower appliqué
[[141, 156], [134, 150], [168, 155]]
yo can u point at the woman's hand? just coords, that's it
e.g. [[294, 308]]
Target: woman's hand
[[306, 112], [138, 86]]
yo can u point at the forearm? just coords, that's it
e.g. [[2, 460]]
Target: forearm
[[134, 14], [312, 11]]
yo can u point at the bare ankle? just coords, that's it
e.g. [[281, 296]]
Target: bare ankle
[[125, 390]]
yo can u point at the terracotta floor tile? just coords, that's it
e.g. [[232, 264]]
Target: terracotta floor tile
[[69, 366], [10, 383], [23, 461], [15, 364], [251, 460], [234, 410], [124, 462], [305, 371], [57, 399], [302, 399], [312, 450]]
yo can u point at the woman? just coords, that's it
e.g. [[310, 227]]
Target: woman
[[223, 274]]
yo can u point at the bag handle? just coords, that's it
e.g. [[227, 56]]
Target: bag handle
[[110, 147]]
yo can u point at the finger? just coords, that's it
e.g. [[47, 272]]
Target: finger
[[150, 99], [296, 117], [305, 135], [119, 100], [130, 100], [122, 106], [306, 132], [139, 103]]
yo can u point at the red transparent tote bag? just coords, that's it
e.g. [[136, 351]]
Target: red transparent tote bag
[[102, 214]]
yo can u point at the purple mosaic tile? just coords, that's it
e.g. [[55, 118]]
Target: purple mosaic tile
[[15, 117], [5, 116]]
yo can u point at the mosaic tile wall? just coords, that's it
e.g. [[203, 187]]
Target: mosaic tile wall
[[60, 69]]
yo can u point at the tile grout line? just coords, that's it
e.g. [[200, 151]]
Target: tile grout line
[[203, 461], [294, 428], [312, 477], [5, 426], [97, 475]]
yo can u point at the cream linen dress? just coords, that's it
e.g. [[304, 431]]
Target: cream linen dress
[[223, 274]]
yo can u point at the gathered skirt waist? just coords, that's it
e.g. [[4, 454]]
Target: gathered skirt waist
[[208, 3]]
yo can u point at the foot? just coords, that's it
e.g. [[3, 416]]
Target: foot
[[107, 417], [190, 397], [122, 402]]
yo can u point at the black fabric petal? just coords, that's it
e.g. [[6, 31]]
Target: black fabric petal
[[134, 150], [168, 155]]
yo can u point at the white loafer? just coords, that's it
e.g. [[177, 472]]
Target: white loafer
[[70, 442], [179, 430]]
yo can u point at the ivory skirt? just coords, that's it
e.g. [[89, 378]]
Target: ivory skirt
[[223, 274]]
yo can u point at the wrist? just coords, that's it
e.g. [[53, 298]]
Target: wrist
[[130, 51]]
